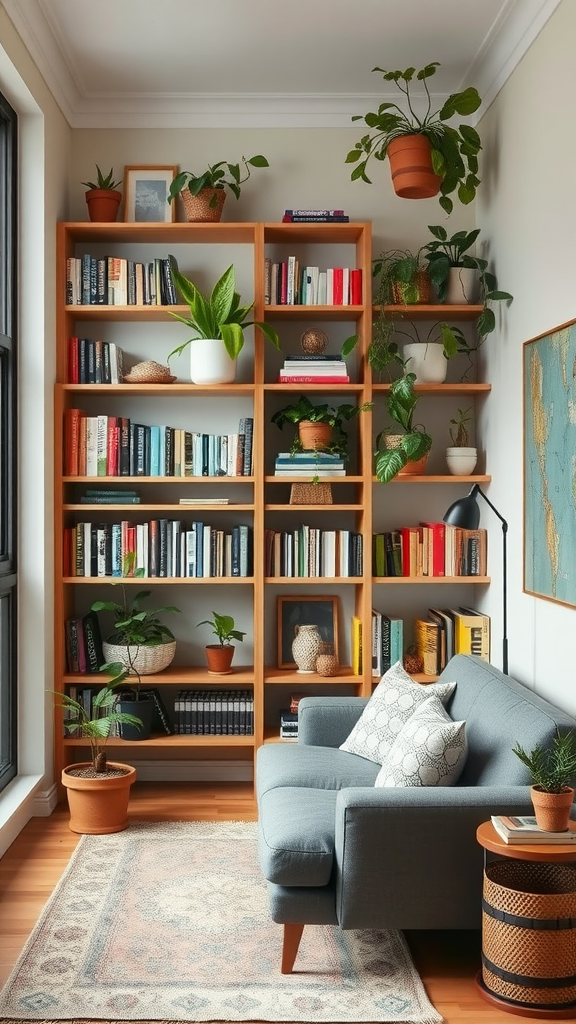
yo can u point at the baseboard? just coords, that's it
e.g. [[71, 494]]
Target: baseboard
[[44, 802], [193, 771]]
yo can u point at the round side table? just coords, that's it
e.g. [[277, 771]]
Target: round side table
[[528, 926]]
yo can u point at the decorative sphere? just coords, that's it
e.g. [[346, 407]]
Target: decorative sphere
[[314, 341]]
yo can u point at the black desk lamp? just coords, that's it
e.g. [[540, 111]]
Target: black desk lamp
[[466, 513]]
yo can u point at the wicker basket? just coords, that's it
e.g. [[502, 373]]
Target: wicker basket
[[421, 281], [198, 208], [311, 494], [149, 372], [529, 932], [146, 660]]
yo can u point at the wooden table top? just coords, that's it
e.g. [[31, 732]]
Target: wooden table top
[[488, 837]]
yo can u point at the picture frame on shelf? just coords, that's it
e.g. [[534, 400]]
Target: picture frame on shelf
[[305, 610], [146, 191]]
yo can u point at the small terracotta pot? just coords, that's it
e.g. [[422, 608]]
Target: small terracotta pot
[[552, 810], [411, 168], [314, 436], [103, 204], [219, 659]]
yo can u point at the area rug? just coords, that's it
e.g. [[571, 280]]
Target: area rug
[[170, 922]]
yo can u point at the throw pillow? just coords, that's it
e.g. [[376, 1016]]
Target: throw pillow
[[430, 750], [395, 698]]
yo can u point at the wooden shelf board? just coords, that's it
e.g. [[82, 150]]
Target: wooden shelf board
[[186, 233], [447, 478], [466, 580], [315, 232], [445, 390], [308, 479], [180, 675], [118, 481], [154, 390], [303, 386], [324, 580], [164, 741], [310, 508], [440, 311], [290, 677], [313, 312], [155, 508], [158, 580]]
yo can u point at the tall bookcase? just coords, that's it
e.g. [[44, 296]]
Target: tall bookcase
[[261, 500]]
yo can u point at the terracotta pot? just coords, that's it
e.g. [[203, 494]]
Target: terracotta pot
[[103, 204], [552, 810], [314, 436], [206, 206], [98, 805], [411, 468], [219, 659], [411, 168]]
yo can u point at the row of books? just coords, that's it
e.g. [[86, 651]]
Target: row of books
[[309, 463], [83, 643], [387, 642], [289, 718], [91, 361], [445, 632], [115, 281], [116, 446], [315, 216], [309, 552], [164, 548], [214, 713], [430, 549], [313, 369], [84, 695], [287, 283]]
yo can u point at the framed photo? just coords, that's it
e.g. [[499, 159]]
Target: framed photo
[[305, 611], [549, 389], [146, 191]]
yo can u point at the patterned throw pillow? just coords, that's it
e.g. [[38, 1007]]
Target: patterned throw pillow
[[395, 698], [430, 750]]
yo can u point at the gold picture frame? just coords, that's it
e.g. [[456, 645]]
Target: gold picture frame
[[146, 190]]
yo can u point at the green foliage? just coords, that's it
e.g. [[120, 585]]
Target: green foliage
[[401, 402], [223, 628], [305, 411], [219, 315], [105, 181], [98, 728], [554, 768], [454, 151], [458, 429], [216, 177]]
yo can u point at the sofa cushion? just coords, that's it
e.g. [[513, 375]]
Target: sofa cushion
[[287, 764], [395, 698], [296, 835], [430, 749]]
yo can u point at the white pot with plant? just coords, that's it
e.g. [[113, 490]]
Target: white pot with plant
[[461, 457], [219, 656], [219, 322]]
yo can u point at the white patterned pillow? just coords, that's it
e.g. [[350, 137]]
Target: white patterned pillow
[[430, 750], [395, 698]]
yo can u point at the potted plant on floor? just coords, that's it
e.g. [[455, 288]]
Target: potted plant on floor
[[103, 197], [427, 155], [203, 195], [219, 656], [404, 453], [553, 770], [461, 457], [219, 322], [320, 427]]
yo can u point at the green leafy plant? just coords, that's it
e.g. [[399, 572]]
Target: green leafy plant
[[220, 175], [218, 315], [104, 715], [454, 151], [304, 411], [223, 628], [103, 181], [458, 429], [416, 442], [554, 768]]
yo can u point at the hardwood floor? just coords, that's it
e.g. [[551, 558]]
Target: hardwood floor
[[447, 961]]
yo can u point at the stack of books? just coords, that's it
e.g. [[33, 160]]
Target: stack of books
[[312, 216], [309, 464], [523, 829], [313, 369], [288, 724]]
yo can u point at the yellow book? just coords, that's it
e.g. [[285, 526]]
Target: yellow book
[[471, 632], [356, 646]]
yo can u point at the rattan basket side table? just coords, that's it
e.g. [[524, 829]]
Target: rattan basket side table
[[528, 927]]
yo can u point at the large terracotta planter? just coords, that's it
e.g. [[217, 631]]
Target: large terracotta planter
[[99, 804], [314, 436], [411, 168], [219, 658], [552, 810], [206, 206], [103, 204]]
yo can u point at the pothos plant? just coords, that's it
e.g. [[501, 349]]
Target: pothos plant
[[304, 411], [415, 441], [221, 175]]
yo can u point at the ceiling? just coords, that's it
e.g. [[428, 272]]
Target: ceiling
[[262, 63]]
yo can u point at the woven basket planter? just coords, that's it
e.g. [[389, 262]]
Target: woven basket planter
[[199, 208], [411, 468], [146, 660], [421, 281]]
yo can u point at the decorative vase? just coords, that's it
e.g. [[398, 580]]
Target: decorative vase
[[219, 658], [103, 204], [461, 461], [461, 286], [411, 167], [142, 709], [306, 647], [314, 436], [327, 664], [98, 805], [427, 361], [146, 661], [552, 810], [206, 206], [210, 362]]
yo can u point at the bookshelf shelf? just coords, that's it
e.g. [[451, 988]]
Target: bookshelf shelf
[[167, 742], [159, 581], [431, 580]]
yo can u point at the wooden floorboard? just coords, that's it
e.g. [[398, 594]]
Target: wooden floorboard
[[447, 961]]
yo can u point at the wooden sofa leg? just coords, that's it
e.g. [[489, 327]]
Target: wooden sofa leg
[[291, 941]]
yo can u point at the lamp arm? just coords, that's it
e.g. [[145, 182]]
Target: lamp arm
[[504, 578], [478, 490]]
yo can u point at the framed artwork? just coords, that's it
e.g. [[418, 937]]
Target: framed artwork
[[305, 611], [146, 191], [549, 384]]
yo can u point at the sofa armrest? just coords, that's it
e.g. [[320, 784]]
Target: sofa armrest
[[408, 856], [327, 721]]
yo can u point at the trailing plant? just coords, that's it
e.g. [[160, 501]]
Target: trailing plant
[[553, 768], [304, 411], [458, 430], [97, 726], [103, 181], [454, 151], [219, 176], [223, 628], [416, 442], [218, 315]]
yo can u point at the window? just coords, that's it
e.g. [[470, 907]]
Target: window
[[8, 207]]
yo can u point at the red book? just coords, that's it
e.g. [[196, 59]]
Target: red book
[[411, 537], [436, 545], [313, 380], [82, 660], [356, 287], [113, 447], [72, 419], [73, 361], [338, 286], [283, 296]]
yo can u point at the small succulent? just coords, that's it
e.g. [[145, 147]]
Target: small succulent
[[105, 181], [458, 430]]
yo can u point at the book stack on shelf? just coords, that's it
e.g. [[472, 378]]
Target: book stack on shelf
[[289, 718], [387, 642], [115, 281], [91, 361], [84, 644], [449, 631], [308, 552], [314, 463], [523, 829], [313, 369], [109, 496], [315, 216], [287, 283], [214, 713], [430, 549]]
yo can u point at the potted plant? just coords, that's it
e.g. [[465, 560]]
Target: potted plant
[[459, 276], [98, 790], [203, 194], [219, 322], [404, 453], [553, 770], [320, 427], [427, 155], [461, 457], [103, 197], [219, 656]]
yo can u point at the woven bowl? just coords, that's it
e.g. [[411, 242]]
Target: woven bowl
[[149, 372], [146, 660]]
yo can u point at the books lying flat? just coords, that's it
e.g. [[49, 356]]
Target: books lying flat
[[204, 501], [523, 829]]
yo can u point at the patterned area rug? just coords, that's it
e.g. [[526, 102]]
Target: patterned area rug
[[170, 922]]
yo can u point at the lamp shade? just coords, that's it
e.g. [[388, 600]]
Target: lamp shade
[[465, 512]]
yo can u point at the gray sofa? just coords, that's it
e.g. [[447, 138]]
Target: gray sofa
[[335, 850]]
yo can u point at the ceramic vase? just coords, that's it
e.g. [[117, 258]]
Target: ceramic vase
[[427, 361], [461, 286], [461, 461], [306, 647]]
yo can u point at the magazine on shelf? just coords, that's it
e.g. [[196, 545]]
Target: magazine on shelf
[[523, 829]]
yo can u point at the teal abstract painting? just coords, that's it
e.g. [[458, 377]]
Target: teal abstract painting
[[550, 465]]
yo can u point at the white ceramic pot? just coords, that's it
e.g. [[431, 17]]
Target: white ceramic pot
[[210, 362], [461, 461], [461, 286], [427, 361]]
